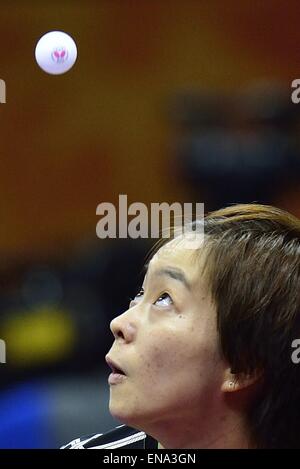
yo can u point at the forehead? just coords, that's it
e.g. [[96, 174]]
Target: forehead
[[175, 254]]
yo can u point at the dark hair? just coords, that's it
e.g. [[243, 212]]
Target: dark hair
[[252, 265]]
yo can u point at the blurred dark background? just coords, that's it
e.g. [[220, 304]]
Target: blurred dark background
[[168, 101]]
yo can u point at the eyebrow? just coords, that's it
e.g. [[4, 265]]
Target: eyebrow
[[175, 274]]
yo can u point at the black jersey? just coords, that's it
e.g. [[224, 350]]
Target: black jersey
[[119, 437]]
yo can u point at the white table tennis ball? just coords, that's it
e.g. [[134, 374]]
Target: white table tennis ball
[[56, 52]]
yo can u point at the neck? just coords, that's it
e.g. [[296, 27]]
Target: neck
[[228, 431]]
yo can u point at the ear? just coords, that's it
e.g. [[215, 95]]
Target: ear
[[237, 381]]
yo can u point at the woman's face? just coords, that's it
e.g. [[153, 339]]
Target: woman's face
[[167, 344]]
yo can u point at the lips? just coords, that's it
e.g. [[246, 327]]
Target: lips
[[115, 367]]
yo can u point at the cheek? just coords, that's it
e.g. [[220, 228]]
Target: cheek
[[178, 356], [165, 357]]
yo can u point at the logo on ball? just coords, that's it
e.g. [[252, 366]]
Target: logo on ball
[[59, 55]]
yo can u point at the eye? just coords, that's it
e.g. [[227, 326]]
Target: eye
[[133, 301], [164, 300], [140, 293]]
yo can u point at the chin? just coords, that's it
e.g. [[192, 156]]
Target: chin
[[119, 414], [132, 420]]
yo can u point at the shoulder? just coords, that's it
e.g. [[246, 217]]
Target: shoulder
[[118, 437]]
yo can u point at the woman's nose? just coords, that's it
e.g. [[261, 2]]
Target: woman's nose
[[122, 328]]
